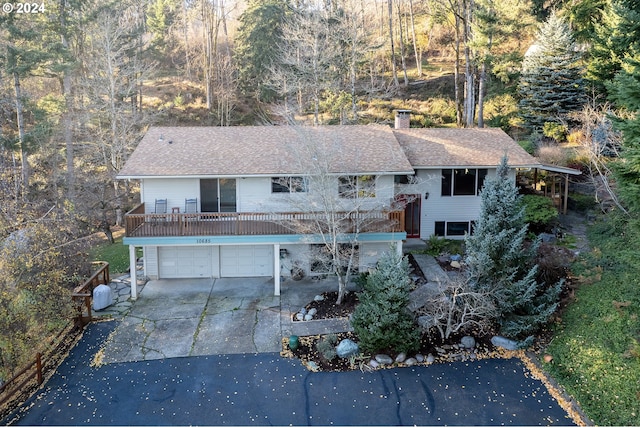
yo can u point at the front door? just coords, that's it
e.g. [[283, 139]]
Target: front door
[[218, 195], [412, 215]]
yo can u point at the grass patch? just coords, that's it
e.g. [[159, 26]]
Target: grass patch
[[596, 348], [116, 254]]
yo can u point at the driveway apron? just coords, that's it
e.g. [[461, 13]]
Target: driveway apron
[[191, 317]]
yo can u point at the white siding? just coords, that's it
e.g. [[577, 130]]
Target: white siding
[[448, 208], [253, 194], [174, 190], [150, 254]]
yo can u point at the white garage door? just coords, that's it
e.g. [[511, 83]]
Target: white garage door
[[184, 262], [246, 261]]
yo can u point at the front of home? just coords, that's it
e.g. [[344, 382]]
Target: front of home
[[259, 201]]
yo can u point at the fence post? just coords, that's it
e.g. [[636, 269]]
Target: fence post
[[39, 367]]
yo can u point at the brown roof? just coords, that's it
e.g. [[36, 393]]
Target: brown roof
[[265, 150], [436, 147]]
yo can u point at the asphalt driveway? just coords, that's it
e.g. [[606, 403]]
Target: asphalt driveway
[[266, 389]]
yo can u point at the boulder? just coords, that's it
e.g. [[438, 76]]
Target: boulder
[[384, 359], [505, 343], [468, 342], [347, 348]]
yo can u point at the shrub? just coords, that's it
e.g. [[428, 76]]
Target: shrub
[[327, 346], [554, 263], [556, 131], [539, 213], [381, 319]]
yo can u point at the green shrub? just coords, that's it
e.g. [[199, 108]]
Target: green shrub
[[556, 131], [529, 145], [327, 346], [581, 202], [539, 213], [381, 319]]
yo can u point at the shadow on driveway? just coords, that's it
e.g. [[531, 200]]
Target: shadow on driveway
[[266, 389]]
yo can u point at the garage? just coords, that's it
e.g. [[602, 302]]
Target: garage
[[246, 261], [176, 262]]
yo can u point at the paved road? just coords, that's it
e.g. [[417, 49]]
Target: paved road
[[266, 389]]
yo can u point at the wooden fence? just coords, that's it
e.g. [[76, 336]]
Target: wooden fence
[[29, 378]]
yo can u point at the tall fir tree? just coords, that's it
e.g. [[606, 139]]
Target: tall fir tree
[[625, 91], [500, 261], [382, 320], [257, 41], [551, 84]]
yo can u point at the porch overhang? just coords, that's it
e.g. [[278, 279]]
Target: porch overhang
[[269, 239]]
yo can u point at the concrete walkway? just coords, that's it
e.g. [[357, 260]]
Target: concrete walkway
[[196, 317]]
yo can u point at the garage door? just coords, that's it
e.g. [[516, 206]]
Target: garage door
[[246, 261], [184, 262]]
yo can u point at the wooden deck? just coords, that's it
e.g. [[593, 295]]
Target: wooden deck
[[140, 224]]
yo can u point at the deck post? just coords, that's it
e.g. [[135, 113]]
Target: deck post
[[276, 269], [399, 248], [133, 274]]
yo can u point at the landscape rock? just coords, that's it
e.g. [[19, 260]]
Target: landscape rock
[[312, 312], [455, 264], [384, 359], [411, 361], [468, 342], [308, 317], [347, 348], [419, 358], [299, 316], [456, 257], [373, 364], [505, 343], [430, 358], [401, 357], [318, 298]]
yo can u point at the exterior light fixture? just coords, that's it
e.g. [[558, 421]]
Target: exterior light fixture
[[426, 195]]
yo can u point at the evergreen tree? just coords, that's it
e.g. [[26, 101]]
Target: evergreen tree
[[551, 84], [499, 260], [257, 41], [625, 91], [615, 36], [381, 319]]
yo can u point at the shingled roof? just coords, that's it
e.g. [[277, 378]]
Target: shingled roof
[[283, 150], [451, 147], [265, 150]]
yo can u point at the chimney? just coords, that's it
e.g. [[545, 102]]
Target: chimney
[[403, 119]]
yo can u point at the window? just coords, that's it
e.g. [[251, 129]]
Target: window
[[352, 187], [462, 182], [291, 184], [453, 228]]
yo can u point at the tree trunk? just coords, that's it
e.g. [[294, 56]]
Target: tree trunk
[[469, 71], [402, 52], [26, 171], [456, 72], [416, 51], [393, 48], [481, 92]]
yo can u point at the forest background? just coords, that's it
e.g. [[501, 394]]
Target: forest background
[[81, 81]]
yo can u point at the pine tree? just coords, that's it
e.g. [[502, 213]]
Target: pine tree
[[625, 91], [381, 319], [257, 41], [499, 260], [551, 84]]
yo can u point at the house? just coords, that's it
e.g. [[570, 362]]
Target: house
[[251, 201]]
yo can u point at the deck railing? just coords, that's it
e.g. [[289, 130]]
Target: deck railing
[[140, 224]]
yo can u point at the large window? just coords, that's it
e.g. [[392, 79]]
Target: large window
[[352, 187], [288, 184], [462, 182], [453, 228]]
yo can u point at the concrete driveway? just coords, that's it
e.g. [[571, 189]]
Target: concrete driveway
[[197, 317]]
